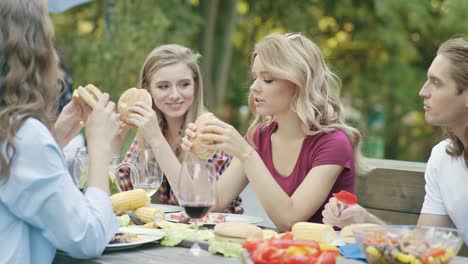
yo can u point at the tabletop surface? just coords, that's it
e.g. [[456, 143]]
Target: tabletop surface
[[154, 253]]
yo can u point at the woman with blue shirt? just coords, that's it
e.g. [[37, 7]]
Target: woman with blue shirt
[[41, 210]]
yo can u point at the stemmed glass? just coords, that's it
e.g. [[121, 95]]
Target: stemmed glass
[[197, 192], [150, 175]]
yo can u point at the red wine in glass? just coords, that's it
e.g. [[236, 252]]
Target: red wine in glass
[[197, 211], [197, 192]]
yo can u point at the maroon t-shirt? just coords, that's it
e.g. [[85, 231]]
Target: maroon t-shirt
[[332, 148]]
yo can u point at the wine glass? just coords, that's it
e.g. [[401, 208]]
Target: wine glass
[[81, 165], [80, 169], [197, 192], [150, 175]]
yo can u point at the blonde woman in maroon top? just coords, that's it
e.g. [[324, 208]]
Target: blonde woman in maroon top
[[298, 149]]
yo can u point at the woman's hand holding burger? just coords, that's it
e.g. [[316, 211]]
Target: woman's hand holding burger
[[209, 134], [145, 119], [135, 108], [69, 123], [102, 126]]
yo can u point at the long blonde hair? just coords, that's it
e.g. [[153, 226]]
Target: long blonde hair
[[456, 51], [296, 58], [29, 71], [170, 54]]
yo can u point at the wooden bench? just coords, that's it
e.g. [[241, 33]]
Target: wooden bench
[[394, 191]]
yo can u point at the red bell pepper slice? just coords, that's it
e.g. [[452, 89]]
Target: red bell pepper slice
[[346, 197], [301, 243], [328, 257], [286, 236], [273, 255], [433, 252], [300, 259], [251, 244]]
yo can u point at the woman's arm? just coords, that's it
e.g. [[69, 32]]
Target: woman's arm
[[283, 210], [230, 185], [69, 123], [147, 122]]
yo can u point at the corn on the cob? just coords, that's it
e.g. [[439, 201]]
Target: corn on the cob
[[150, 225], [312, 231], [148, 214], [129, 200]]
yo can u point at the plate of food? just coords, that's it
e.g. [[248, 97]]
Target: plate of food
[[138, 230], [215, 218], [127, 240], [167, 208]]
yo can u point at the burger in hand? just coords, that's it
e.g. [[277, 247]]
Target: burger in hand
[[129, 98], [230, 236], [86, 97], [197, 148]]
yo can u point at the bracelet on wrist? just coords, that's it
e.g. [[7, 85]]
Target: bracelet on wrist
[[247, 157]]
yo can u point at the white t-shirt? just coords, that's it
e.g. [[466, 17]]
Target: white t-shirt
[[446, 192]]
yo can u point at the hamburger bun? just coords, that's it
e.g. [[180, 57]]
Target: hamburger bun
[[129, 98], [347, 232], [197, 148], [77, 99], [89, 94], [236, 232]]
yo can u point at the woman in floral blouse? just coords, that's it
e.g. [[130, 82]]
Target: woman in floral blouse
[[171, 75]]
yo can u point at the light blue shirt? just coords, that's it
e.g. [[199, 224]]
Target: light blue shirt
[[41, 210]]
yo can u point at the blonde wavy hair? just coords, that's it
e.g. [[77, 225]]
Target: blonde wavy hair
[[29, 71], [456, 51], [316, 102], [170, 54]]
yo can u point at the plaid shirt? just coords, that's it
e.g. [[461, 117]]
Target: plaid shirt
[[166, 195]]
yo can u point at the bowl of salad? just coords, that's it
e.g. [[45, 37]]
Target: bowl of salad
[[395, 244]]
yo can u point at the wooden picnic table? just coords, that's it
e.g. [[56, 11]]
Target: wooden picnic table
[[153, 253]]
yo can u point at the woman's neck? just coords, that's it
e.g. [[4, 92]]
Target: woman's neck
[[289, 126], [173, 126]]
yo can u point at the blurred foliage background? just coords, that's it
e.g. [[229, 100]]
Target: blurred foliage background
[[380, 48]]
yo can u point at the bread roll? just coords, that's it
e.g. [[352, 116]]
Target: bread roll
[[236, 232], [89, 94], [197, 148], [347, 232], [129, 98]]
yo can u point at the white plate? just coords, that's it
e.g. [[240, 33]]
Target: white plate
[[228, 217], [166, 208], [137, 230], [143, 239]]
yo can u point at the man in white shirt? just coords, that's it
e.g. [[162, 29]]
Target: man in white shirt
[[445, 96]]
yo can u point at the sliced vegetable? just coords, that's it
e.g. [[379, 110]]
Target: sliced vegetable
[[346, 197]]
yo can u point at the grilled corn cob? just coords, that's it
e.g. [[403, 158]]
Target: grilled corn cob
[[312, 231], [129, 200], [148, 214]]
